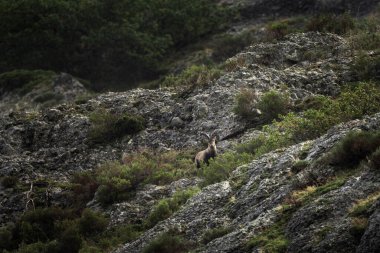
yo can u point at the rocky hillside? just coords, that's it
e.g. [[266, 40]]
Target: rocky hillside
[[115, 173]]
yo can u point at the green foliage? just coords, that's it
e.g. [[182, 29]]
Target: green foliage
[[92, 223], [166, 207], [101, 39], [246, 101], [355, 147], [120, 181], [354, 102], [194, 76], [56, 230], [272, 104], [220, 167], [278, 29], [9, 181], [214, 233], [362, 207], [23, 81], [168, 243], [83, 188], [299, 165], [339, 24], [107, 126], [366, 67]]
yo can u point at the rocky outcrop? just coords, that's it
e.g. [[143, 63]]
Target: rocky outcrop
[[54, 143], [321, 225]]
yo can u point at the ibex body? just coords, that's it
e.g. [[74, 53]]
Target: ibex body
[[210, 152]]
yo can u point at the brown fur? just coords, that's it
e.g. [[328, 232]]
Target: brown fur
[[205, 155]]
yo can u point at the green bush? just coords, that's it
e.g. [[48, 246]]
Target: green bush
[[339, 24], [272, 104], [194, 76], [278, 29], [92, 223], [354, 147], [83, 188], [119, 182], [214, 233], [366, 67], [23, 81], [9, 181], [219, 169], [107, 127], [70, 240], [168, 243], [246, 102], [5, 239], [166, 207], [299, 165], [39, 247]]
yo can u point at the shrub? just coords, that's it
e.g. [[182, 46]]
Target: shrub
[[278, 29], [168, 243], [83, 186], [194, 76], [70, 240], [9, 181], [246, 101], [119, 182], [106, 126], [214, 233], [166, 207], [375, 159], [366, 67], [354, 102], [92, 223], [272, 104], [220, 168], [299, 165], [24, 81], [5, 239], [339, 24], [354, 147]]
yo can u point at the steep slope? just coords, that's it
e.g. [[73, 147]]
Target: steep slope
[[56, 143]]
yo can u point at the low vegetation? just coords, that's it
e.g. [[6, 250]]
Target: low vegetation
[[107, 127], [354, 102], [214, 233], [192, 77], [354, 147], [166, 207], [169, 242], [115, 182], [23, 81], [270, 106]]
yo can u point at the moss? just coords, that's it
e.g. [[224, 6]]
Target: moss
[[214, 233], [107, 127]]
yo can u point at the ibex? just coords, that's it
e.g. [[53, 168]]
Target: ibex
[[210, 152], [29, 198]]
